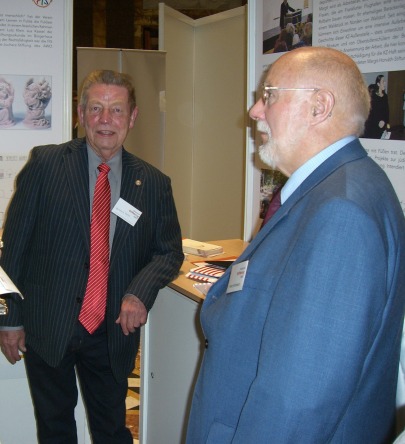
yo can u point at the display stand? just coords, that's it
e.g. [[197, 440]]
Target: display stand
[[172, 348]]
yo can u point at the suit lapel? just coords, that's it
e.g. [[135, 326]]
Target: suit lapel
[[132, 184], [348, 153], [77, 176]]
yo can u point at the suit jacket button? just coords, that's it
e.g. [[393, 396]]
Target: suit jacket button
[[206, 343], [86, 265], [79, 300]]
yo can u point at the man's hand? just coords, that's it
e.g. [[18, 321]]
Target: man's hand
[[133, 314], [11, 343]]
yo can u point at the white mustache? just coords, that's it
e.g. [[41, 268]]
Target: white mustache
[[267, 150], [263, 127]]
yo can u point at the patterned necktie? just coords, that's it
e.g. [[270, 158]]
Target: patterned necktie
[[95, 299], [274, 205]]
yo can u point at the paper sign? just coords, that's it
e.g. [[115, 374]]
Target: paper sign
[[126, 211], [238, 273]]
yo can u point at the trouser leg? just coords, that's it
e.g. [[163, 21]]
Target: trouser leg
[[103, 396], [54, 395]]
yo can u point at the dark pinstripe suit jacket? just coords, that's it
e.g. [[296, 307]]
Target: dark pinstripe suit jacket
[[47, 241]]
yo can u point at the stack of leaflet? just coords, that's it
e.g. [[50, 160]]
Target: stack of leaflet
[[198, 248], [206, 273]]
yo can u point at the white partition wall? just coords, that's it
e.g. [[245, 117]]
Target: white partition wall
[[176, 34], [17, 421], [36, 49], [206, 119]]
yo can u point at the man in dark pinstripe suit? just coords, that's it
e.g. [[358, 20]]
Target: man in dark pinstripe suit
[[46, 253]]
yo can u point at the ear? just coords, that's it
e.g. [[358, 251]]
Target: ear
[[133, 117], [322, 106], [80, 115]]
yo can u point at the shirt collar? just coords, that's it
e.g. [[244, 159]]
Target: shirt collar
[[114, 163], [311, 165]]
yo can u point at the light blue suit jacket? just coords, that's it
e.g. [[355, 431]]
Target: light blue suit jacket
[[308, 350]]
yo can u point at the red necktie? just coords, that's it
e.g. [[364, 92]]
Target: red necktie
[[274, 205], [95, 299]]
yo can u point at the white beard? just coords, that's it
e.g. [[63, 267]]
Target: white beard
[[267, 151]]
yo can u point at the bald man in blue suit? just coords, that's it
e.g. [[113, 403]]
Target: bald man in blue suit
[[303, 332]]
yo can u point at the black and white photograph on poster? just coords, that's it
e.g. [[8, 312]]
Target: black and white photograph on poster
[[386, 119], [286, 25], [25, 102]]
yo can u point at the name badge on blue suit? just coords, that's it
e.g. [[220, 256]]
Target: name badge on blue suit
[[237, 278]]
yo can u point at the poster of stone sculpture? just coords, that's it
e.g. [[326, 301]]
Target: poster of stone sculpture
[[25, 102], [35, 82]]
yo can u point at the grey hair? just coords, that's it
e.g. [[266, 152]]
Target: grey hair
[[108, 77]]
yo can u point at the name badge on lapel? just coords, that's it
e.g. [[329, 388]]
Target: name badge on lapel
[[126, 211], [237, 278]]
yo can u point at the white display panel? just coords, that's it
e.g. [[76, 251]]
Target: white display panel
[[35, 82], [35, 109], [372, 33]]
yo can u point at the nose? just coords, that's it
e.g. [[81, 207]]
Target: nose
[[257, 110], [105, 115]]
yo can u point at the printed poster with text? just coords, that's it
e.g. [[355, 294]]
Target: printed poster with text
[[35, 82], [373, 34]]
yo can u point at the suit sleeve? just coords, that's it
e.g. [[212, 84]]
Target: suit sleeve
[[19, 223], [167, 254], [323, 321]]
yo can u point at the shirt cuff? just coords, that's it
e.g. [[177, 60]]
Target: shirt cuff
[[5, 328]]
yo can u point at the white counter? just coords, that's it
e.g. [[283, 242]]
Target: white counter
[[172, 348]]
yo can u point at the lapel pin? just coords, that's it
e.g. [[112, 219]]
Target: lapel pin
[[138, 182]]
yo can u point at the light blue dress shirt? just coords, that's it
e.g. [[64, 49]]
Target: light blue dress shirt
[[298, 176]]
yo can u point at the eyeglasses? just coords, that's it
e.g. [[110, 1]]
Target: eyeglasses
[[268, 89]]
